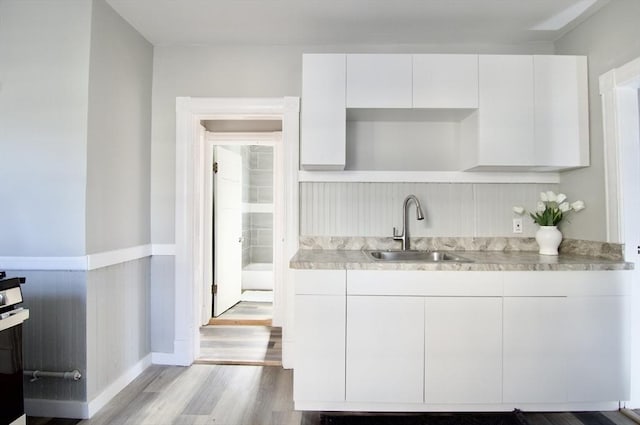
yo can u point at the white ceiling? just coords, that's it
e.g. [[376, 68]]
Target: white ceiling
[[329, 22]]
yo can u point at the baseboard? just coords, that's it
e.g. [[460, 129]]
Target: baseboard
[[82, 409], [287, 354], [164, 358], [118, 385], [56, 408]]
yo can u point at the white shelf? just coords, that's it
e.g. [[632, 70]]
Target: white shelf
[[427, 177], [257, 208]]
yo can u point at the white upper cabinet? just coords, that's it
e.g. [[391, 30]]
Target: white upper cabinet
[[532, 114], [508, 112], [505, 114], [445, 81], [323, 114], [561, 111], [379, 81]]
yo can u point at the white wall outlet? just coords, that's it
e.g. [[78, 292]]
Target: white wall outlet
[[517, 225]]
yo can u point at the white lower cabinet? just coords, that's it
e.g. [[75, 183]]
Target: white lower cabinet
[[598, 346], [320, 336], [535, 352], [385, 349], [463, 350], [400, 340]]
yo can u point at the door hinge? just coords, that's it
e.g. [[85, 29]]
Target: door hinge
[[638, 249], [214, 289], [215, 167]]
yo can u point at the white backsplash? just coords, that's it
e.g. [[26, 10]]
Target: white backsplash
[[451, 209]]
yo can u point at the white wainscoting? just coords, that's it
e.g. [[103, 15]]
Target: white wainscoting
[[74, 325], [451, 209]]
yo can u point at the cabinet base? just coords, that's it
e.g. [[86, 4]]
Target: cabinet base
[[333, 406]]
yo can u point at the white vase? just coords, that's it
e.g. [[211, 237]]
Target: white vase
[[548, 238]]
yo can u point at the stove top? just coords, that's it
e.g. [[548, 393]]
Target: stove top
[[10, 292]]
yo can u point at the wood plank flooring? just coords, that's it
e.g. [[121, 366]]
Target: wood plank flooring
[[230, 395], [241, 345], [246, 313]]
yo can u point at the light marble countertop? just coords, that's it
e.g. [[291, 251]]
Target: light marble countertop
[[332, 259]]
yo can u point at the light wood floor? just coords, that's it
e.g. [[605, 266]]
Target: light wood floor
[[241, 345], [246, 313], [231, 395], [204, 394]]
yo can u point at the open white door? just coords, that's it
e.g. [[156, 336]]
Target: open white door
[[227, 206]]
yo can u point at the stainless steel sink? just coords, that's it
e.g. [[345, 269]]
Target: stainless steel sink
[[417, 256]]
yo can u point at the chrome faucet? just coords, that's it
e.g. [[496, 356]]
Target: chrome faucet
[[404, 236]]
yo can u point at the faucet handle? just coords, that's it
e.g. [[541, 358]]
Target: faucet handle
[[396, 235]]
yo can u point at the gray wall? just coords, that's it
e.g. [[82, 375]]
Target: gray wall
[[119, 134], [162, 306], [610, 38], [44, 73]]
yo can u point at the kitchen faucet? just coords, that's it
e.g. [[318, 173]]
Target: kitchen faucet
[[404, 236]]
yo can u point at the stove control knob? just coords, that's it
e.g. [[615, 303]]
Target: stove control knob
[[2, 298]]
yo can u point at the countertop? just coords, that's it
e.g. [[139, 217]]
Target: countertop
[[329, 259]]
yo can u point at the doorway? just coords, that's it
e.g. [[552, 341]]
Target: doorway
[[619, 90], [190, 214], [241, 203]]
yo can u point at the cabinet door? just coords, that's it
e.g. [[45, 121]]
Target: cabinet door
[[463, 350], [379, 81], [445, 81], [385, 349], [319, 367], [323, 113], [561, 111], [598, 347], [505, 116], [320, 321], [535, 360]]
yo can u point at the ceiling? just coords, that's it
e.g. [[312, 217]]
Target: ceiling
[[331, 22]]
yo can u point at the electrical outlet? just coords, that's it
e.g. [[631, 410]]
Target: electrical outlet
[[517, 225]]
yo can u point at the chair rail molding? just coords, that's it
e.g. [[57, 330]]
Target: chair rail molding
[[190, 111]]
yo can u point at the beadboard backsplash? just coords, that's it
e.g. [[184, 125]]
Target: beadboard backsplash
[[451, 209]]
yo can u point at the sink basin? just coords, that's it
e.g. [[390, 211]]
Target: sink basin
[[417, 256]]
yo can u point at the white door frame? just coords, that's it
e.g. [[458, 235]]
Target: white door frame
[[273, 139], [190, 154], [621, 130]]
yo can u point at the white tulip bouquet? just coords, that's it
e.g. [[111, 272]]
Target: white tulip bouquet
[[551, 208]]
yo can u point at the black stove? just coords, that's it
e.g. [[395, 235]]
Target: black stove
[[12, 315]]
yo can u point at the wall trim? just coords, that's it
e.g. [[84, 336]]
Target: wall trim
[[73, 409], [117, 256], [86, 262], [163, 249], [163, 358], [118, 385], [44, 263]]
